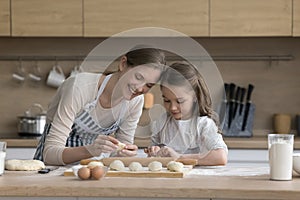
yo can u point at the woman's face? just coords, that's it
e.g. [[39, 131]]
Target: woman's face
[[178, 101], [138, 80]]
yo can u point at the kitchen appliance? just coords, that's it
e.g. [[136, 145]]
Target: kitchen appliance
[[32, 122]]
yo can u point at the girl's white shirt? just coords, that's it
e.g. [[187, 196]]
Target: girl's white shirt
[[195, 135]]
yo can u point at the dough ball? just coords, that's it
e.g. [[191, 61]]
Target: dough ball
[[24, 165], [155, 166], [121, 146], [117, 165], [175, 166], [135, 166], [93, 164]]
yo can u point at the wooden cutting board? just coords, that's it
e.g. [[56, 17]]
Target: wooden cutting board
[[188, 165], [164, 173]]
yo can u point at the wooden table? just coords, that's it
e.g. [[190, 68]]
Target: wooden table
[[232, 142], [242, 185]]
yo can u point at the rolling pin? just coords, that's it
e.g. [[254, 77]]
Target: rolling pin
[[144, 161], [148, 100]]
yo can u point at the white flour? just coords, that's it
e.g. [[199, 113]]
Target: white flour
[[281, 161], [228, 171]]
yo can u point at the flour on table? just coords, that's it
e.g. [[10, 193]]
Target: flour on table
[[229, 171]]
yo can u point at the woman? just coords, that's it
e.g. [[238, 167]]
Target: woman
[[190, 128], [88, 108]]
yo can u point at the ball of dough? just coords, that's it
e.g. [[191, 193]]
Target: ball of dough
[[93, 164], [135, 166], [121, 146], [155, 166], [175, 166], [117, 165], [24, 165]]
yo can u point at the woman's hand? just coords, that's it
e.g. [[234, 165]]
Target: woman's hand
[[102, 144], [128, 150], [168, 152]]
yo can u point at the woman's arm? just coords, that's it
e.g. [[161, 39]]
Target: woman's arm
[[102, 144], [68, 101]]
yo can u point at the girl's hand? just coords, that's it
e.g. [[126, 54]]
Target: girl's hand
[[128, 150], [168, 152], [152, 151]]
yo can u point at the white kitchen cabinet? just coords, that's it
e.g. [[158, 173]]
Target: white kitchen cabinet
[[20, 153], [242, 18], [4, 18], [105, 17], [249, 157], [47, 18]]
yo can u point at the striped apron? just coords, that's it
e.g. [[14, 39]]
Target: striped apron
[[85, 129]]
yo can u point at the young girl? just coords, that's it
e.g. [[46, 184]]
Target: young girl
[[90, 107], [189, 128]]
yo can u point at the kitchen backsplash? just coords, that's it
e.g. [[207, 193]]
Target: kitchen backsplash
[[277, 83]]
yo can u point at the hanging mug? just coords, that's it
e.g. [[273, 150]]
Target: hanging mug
[[77, 69], [56, 77]]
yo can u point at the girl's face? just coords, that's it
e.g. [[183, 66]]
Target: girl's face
[[178, 101], [138, 80]]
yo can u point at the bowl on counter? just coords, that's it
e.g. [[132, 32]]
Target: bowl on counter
[[95, 172], [296, 162]]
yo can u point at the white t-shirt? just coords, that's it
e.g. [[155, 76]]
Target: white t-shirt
[[70, 99], [195, 135]]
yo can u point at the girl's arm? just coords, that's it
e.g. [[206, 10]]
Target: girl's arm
[[212, 158]]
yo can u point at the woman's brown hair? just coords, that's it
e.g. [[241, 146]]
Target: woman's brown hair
[[142, 55]]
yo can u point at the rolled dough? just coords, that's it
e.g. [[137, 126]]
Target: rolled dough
[[24, 165]]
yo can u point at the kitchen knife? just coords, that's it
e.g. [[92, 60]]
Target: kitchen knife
[[226, 86], [243, 91], [231, 103], [236, 101], [249, 92]]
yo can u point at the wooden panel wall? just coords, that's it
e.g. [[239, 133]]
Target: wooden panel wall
[[277, 83], [4, 17]]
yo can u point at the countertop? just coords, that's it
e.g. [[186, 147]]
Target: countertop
[[214, 183], [257, 142]]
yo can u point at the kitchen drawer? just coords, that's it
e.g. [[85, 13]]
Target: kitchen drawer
[[249, 157]]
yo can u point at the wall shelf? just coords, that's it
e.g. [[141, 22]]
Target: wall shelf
[[171, 58]]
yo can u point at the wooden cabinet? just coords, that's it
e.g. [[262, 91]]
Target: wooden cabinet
[[250, 18], [4, 18], [107, 17], [296, 18], [47, 18]]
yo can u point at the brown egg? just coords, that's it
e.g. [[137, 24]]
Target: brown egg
[[84, 173], [98, 172]]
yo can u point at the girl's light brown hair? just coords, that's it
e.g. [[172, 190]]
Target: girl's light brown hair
[[179, 74]]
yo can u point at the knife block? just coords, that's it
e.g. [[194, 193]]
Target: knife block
[[235, 129]]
